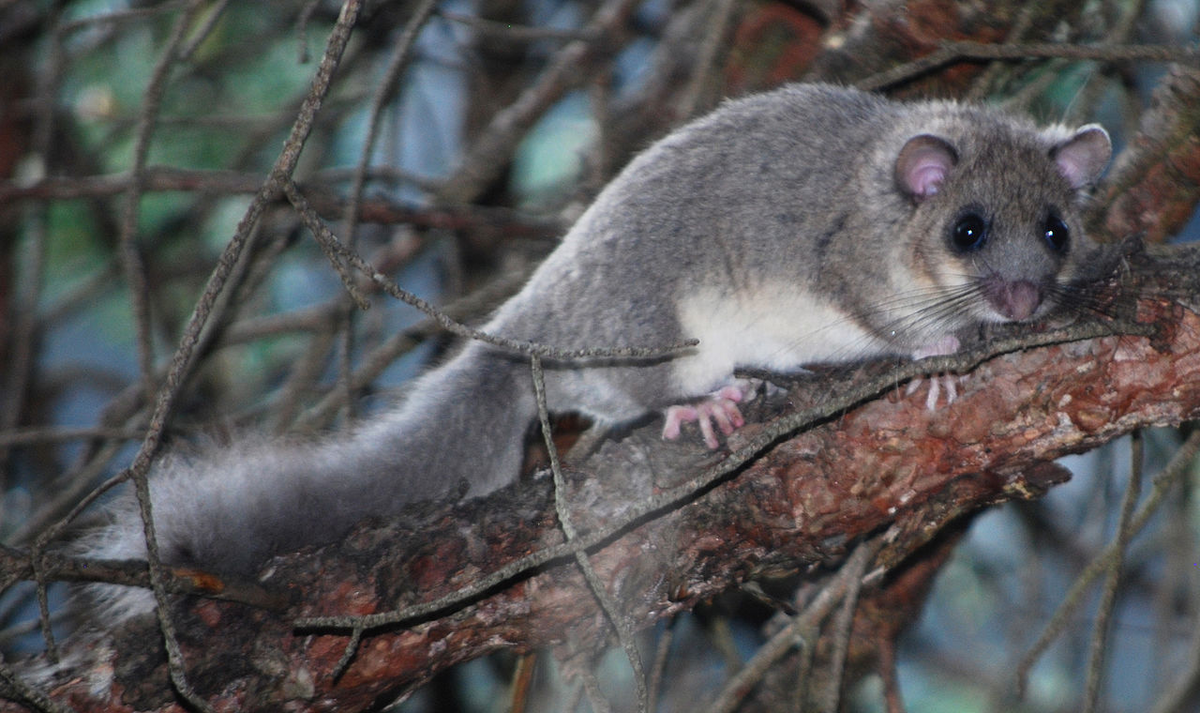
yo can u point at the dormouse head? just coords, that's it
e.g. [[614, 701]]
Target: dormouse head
[[997, 212]]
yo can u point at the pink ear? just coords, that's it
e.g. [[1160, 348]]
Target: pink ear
[[1082, 158], [923, 164]]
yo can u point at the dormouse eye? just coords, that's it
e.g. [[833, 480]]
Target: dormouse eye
[[969, 233], [1057, 234]]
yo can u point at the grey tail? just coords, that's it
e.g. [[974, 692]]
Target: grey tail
[[228, 509]]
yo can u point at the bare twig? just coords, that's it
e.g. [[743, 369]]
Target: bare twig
[[490, 151], [1108, 599], [803, 627], [1102, 563], [519, 346], [595, 583], [951, 52]]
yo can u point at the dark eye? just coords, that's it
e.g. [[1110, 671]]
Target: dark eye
[[969, 233], [1057, 234]]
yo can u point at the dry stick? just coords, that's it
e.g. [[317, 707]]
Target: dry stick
[[892, 698], [302, 19], [706, 62], [830, 699], [25, 318], [112, 18], [671, 498], [213, 15], [625, 634], [135, 270], [1108, 599], [951, 52], [373, 364], [212, 181], [1084, 104], [519, 346], [1101, 563], [805, 641], [847, 580], [979, 86], [1183, 691], [490, 152], [135, 273], [522, 682], [398, 63], [595, 696], [659, 667], [283, 168]]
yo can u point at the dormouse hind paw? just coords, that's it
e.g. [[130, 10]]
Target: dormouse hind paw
[[721, 407]]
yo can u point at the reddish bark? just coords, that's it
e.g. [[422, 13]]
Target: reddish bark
[[804, 501]]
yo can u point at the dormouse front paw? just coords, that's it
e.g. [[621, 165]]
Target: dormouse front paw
[[721, 407], [938, 383]]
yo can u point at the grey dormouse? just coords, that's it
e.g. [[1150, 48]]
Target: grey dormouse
[[809, 224]]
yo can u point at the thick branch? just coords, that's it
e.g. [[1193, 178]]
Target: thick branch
[[803, 501]]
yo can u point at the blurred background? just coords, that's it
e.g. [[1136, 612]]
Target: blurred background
[[468, 156]]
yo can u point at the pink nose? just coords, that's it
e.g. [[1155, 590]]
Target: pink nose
[[1015, 300]]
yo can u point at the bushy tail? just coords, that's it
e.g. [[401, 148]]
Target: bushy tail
[[228, 509]]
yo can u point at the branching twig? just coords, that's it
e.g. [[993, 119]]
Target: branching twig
[[1102, 563], [330, 242], [1108, 599], [803, 627]]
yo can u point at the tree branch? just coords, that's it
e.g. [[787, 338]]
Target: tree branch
[[803, 501]]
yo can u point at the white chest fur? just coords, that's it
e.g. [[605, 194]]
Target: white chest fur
[[773, 326]]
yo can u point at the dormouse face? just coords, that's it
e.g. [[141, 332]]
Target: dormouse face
[[999, 223]]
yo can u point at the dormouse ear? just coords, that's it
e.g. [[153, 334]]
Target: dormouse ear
[[1082, 158], [923, 164]]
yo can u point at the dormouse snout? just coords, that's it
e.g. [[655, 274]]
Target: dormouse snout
[[1016, 300]]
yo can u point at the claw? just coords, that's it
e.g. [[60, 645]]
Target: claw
[[720, 407], [937, 384]]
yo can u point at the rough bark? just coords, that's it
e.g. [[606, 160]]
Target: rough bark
[[887, 463]]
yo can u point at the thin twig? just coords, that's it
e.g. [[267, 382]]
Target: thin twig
[[843, 625], [803, 626], [519, 346], [699, 89], [135, 269], [400, 59], [658, 669], [1020, 28], [121, 16], [625, 635], [284, 166], [1108, 598], [19, 369], [490, 151], [1102, 562], [952, 52]]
